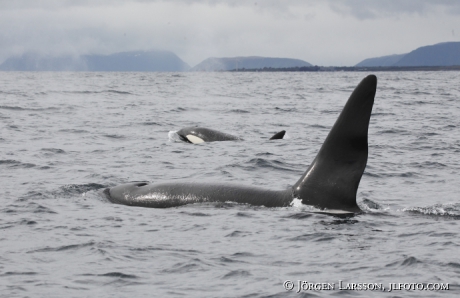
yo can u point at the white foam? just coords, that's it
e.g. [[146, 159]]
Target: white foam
[[296, 203], [173, 136]]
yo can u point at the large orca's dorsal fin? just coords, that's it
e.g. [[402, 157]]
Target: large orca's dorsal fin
[[332, 179], [278, 135]]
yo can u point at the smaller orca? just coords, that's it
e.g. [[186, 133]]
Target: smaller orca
[[197, 135]]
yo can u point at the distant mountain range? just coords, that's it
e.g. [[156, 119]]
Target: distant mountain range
[[254, 62], [441, 54], [126, 61], [141, 61]]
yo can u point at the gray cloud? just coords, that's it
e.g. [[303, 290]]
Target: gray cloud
[[393, 8], [320, 32]]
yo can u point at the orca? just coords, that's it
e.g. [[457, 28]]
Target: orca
[[198, 135], [330, 183]]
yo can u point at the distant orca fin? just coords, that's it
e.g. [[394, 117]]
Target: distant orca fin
[[278, 135], [332, 179]]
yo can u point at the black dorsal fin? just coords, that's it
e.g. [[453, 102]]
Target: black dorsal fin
[[332, 179], [278, 135]]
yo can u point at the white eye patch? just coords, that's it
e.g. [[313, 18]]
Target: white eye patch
[[194, 139]]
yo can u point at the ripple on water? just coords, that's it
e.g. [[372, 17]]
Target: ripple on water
[[236, 274], [14, 164], [448, 211]]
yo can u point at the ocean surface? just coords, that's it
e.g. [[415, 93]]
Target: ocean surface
[[66, 136]]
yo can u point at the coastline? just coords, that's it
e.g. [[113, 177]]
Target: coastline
[[351, 68]]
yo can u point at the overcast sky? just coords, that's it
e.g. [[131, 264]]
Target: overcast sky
[[321, 32]]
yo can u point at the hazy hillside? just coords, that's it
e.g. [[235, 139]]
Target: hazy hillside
[[36, 62], [220, 64], [441, 54], [381, 61], [127, 61], [136, 61]]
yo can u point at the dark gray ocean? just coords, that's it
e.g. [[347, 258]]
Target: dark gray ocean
[[66, 136]]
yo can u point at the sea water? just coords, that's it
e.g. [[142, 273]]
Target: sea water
[[67, 136]]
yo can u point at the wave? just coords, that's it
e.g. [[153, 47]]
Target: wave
[[66, 191], [169, 249], [286, 109], [12, 108], [16, 108], [114, 274], [403, 175], [451, 210], [184, 267], [382, 114], [11, 273], [238, 234], [114, 136], [416, 103], [262, 163], [417, 92], [31, 207], [369, 205], [11, 163], [239, 111], [53, 150], [78, 189], [237, 274], [318, 126], [333, 112], [200, 214], [177, 110], [63, 247], [74, 130], [152, 123], [314, 237], [428, 165], [117, 92], [99, 92], [407, 262], [392, 131], [300, 215]]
